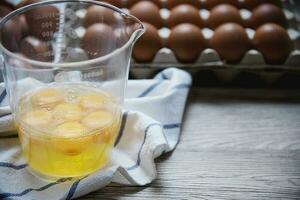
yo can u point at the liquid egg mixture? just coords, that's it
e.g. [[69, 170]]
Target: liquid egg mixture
[[67, 131]]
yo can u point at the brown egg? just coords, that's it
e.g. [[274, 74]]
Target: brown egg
[[99, 40], [12, 33], [35, 49], [187, 42], [173, 3], [184, 13], [231, 42], [42, 21], [130, 3], [148, 45], [273, 42], [98, 14], [117, 3], [224, 13], [146, 11], [267, 13], [4, 10], [251, 4], [23, 24], [209, 4]]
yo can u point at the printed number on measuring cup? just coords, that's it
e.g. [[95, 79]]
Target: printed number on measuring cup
[[47, 33], [47, 24]]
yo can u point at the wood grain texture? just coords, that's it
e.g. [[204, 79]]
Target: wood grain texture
[[236, 144]]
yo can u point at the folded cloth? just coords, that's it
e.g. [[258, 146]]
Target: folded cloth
[[151, 125]]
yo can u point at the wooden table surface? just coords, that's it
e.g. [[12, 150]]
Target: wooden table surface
[[235, 144]]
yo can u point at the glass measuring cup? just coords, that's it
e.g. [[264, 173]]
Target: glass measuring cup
[[66, 79]]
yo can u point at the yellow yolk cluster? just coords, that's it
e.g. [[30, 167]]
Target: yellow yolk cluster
[[64, 138]]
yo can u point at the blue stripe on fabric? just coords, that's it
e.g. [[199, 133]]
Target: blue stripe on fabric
[[12, 166], [5, 115], [166, 126], [6, 195], [73, 189], [150, 89], [3, 95], [138, 162], [171, 126], [182, 86], [123, 124], [163, 76]]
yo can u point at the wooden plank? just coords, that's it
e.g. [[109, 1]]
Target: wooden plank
[[217, 123], [236, 144], [218, 175]]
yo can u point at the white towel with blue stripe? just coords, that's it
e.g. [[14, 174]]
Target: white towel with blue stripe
[[152, 119]]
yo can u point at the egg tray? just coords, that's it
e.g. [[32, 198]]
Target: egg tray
[[210, 62], [209, 58], [252, 71], [231, 77]]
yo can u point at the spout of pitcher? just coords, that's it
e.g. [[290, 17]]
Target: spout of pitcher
[[137, 29]]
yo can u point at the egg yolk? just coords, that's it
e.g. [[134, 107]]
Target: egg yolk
[[48, 97], [99, 119], [67, 112], [66, 143], [38, 118], [92, 102]]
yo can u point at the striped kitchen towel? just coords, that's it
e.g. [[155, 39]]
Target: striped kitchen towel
[[151, 122]]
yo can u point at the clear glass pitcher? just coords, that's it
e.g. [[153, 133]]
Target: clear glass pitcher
[[65, 74]]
